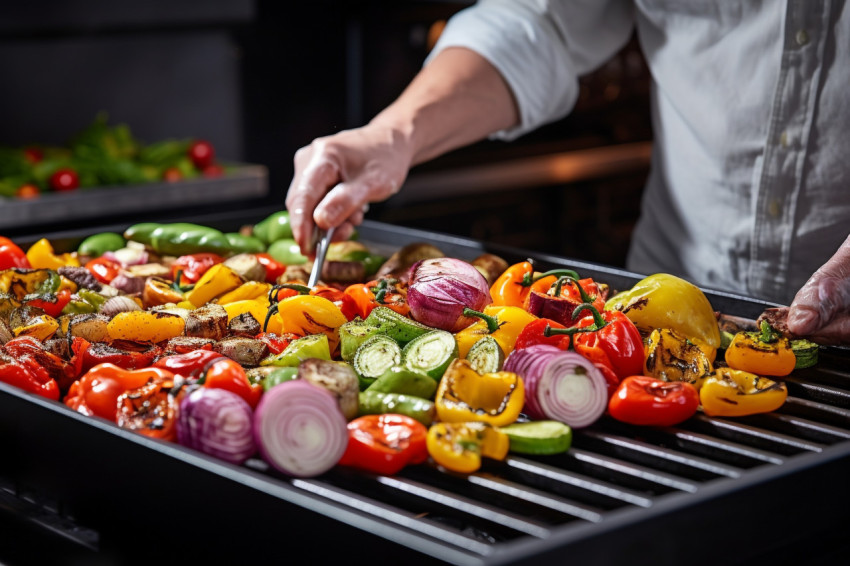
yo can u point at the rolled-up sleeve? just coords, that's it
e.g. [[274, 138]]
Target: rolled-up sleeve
[[541, 48]]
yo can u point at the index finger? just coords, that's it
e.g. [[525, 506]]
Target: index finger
[[309, 186]]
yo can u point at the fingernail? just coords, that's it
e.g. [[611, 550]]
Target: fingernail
[[803, 321]]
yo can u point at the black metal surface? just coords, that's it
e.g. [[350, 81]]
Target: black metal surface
[[708, 491]]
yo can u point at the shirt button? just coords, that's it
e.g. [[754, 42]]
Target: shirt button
[[773, 208], [802, 37]]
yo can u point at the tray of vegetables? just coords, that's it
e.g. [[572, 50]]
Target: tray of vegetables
[[104, 171], [460, 405]]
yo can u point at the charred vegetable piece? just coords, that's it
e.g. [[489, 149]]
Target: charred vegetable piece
[[430, 353], [644, 400], [352, 335], [246, 351], [150, 410], [384, 444], [486, 356], [336, 377], [396, 326], [208, 321], [185, 344], [248, 266], [672, 357], [244, 325], [226, 373], [400, 262], [762, 353], [375, 356], [464, 395], [459, 447], [735, 393], [81, 276], [145, 326], [491, 266], [92, 327], [313, 346], [806, 352]]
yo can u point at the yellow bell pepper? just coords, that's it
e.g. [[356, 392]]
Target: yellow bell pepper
[[41, 256], [503, 323], [145, 326], [465, 395], [308, 314], [247, 291], [217, 280], [763, 353], [735, 393], [41, 327], [667, 301], [459, 446], [157, 291], [672, 357], [257, 309], [65, 283]]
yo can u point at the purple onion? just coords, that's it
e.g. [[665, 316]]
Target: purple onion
[[559, 385], [441, 288], [300, 429], [217, 422]]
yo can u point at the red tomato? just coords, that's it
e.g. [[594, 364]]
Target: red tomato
[[643, 400], [27, 191], [104, 270], [64, 180], [202, 154], [274, 269], [171, 175], [384, 444], [11, 255], [33, 154], [193, 266], [212, 171], [225, 373]]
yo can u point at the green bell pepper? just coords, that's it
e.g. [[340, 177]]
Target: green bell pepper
[[287, 252], [240, 244], [182, 238], [141, 232], [274, 227], [98, 244]]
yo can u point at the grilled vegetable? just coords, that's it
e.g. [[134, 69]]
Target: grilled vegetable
[[377, 403], [762, 353], [396, 326], [97, 392], [430, 353], [208, 321], [503, 324], [337, 377], [459, 447], [440, 289], [405, 382], [643, 400], [672, 357], [539, 437], [735, 393], [464, 395], [246, 351], [217, 422], [375, 356], [247, 266], [225, 373], [384, 444], [352, 334], [486, 356], [313, 346]]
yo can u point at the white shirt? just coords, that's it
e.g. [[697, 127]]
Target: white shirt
[[748, 189]]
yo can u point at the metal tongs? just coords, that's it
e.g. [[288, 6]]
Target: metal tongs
[[323, 240]]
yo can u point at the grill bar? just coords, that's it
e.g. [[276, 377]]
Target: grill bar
[[745, 434]]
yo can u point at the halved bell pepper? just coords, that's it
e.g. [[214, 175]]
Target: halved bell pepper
[[384, 444], [41, 327], [145, 326], [30, 353], [667, 301], [41, 256], [672, 357], [157, 291], [734, 393], [464, 395], [504, 324], [308, 314], [150, 409], [96, 393], [248, 291], [763, 353], [217, 280], [459, 446]]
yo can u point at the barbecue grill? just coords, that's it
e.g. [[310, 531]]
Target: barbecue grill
[[709, 491]]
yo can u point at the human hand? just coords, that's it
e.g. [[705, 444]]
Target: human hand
[[821, 308], [336, 177]]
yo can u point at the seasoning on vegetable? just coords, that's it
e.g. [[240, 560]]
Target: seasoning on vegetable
[[762, 353], [459, 447], [464, 395], [673, 357]]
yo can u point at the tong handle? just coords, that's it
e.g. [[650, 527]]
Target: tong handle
[[321, 251]]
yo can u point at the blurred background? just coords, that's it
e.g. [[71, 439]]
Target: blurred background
[[260, 78]]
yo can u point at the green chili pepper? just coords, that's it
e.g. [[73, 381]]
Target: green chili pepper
[[183, 238], [377, 403], [274, 227], [279, 376], [98, 244], [141, 232], [240, 244], [405, 381], [287, 252]]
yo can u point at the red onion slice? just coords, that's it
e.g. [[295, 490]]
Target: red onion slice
[[572, 390], [217, 422], [530, 363], [300, 429]]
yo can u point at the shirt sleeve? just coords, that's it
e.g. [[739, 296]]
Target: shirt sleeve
[[541, 48]]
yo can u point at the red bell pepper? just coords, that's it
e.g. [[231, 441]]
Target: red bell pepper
[[643, 400], [359, 299], [150, 409], [609, 338], [96, 393], [559, 300], [20, 376], [384, 444], [191, 267], [11, 255], [274, 268], [276, 343], [103, 269], [53, 308], [225, 373], [30, 353], [191, 364], [534, 333]]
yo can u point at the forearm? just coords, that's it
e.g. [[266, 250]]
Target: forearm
[[457, 99]]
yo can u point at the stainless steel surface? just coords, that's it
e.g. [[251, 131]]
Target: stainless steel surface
[[321, 251]]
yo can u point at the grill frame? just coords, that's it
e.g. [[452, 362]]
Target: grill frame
[[56, 459]]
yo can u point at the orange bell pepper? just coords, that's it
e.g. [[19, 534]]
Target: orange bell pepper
[[96, 393], [762, 353]]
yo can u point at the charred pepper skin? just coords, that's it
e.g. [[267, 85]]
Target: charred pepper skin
[[464, 395]]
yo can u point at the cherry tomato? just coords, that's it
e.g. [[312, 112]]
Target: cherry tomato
[[202, 154], [384, 444], [212, 171], [104, 270], [643, 400], [172, 174], [224, 373], [27, 191], [64, 180], [150, 410]]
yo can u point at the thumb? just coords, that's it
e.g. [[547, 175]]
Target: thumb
[[824, 296]]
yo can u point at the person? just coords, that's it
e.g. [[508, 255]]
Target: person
[[747, 188]]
